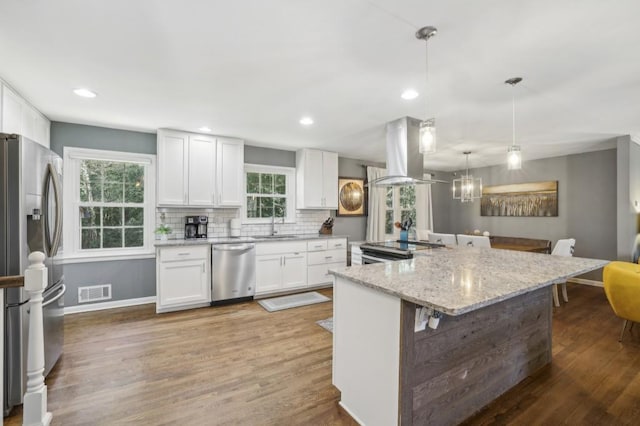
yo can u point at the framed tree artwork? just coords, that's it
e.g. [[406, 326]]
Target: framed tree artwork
[[352, 197]]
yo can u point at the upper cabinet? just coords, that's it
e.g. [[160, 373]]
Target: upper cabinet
[[316, 179], [229, 172], [199, 170], [18, 116]]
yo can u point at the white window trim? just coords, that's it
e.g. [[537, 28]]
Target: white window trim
[[71, 201], [290, 172]]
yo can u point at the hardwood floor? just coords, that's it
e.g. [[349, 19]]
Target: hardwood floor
[[239, 365]]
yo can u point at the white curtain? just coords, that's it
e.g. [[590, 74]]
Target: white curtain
[[377, 205], [424, 212]]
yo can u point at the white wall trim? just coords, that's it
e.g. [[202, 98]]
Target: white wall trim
[[582, 281], [108, 305]]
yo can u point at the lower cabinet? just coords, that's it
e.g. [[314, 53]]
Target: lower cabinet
[[183, 278], [289, 265], [280, 271], [322, 258]]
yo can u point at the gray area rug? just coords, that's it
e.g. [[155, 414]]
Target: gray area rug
[[327, 324], [292, 301]]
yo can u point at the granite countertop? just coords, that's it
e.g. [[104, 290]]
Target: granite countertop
[[239, 240], [457, 280]]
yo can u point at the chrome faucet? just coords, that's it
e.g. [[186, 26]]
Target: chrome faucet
[[273, 225]]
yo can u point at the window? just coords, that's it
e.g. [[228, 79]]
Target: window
[[400, 203], [109, 203], [269, 193]]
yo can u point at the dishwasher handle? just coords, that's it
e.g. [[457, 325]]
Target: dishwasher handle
[[234, 247]]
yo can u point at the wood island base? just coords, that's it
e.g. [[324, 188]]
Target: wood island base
[[389, 374]]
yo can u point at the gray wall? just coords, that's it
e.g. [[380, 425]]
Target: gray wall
[[131, 278], [269, 157], [586, 200], [354, 227], [628, 174], [92, 137]]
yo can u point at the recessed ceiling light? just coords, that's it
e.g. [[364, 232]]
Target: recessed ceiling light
[[204, 129], [409, 94], [85, 93], [306, 121]]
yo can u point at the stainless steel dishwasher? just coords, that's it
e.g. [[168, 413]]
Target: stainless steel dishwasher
[[233, 274]]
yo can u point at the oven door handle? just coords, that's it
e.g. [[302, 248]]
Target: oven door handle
[[375, 259]]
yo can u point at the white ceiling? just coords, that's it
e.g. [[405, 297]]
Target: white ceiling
[[252, 68]]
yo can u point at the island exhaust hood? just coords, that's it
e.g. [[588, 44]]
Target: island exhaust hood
[[404, 159]]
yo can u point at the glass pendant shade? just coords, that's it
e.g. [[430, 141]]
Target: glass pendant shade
[[514, 158], [428, 136]]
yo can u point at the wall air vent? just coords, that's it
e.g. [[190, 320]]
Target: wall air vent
[[94, 293]]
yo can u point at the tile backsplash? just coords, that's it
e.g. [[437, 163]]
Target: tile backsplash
[[307, 222]]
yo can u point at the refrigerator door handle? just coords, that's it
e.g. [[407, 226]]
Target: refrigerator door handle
[[63, 290], [52, 244]]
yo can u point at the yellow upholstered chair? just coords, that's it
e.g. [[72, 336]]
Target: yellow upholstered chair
[[622, 287]]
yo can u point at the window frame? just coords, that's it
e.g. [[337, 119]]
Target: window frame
[[290, 192], [71, 205], [397, 211]]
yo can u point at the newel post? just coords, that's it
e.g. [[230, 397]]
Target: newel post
[[35, 399]]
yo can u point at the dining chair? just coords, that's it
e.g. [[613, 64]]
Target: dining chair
[[446, 239], [565, 248], [473, 241], [622, 287]]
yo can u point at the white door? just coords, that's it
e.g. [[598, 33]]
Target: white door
[[29, 122], [330, 179], [313, 182], [229, 168], [202, 160], [172, 172], [294, 270], [268, 273], [183, 283], [11, 111]]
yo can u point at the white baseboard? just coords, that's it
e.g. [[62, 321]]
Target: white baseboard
[[108, 305], [582, 281]]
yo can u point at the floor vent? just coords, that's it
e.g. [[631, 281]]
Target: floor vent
[[94, 293]]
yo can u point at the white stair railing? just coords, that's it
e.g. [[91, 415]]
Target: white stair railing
[[35, 399]]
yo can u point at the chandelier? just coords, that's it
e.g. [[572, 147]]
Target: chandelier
[[467, 188]]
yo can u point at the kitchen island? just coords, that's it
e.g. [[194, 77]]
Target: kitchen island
[[494, 330]]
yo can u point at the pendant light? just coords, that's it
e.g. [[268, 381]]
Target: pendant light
[[467, 188], [428, 126], [514, 153]]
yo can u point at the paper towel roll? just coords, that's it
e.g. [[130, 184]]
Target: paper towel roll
[[234, 227]]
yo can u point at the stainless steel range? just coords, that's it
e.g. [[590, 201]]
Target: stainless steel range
[[389, 251]]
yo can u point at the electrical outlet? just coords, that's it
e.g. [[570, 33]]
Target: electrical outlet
[[422, 316]]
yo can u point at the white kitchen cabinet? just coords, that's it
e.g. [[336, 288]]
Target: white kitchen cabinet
[[11, 111], [201, 175], [334, 255], [268, 273], [229, 172], [316, 179], [18, 116], [289, 265], [294, 270], [199, 170], [280, 266], [183, 277], [172, 162]]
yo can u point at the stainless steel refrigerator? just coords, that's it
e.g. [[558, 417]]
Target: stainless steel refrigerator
[[30, 220]]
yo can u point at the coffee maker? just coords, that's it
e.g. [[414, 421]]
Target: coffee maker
[[195, 227]]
